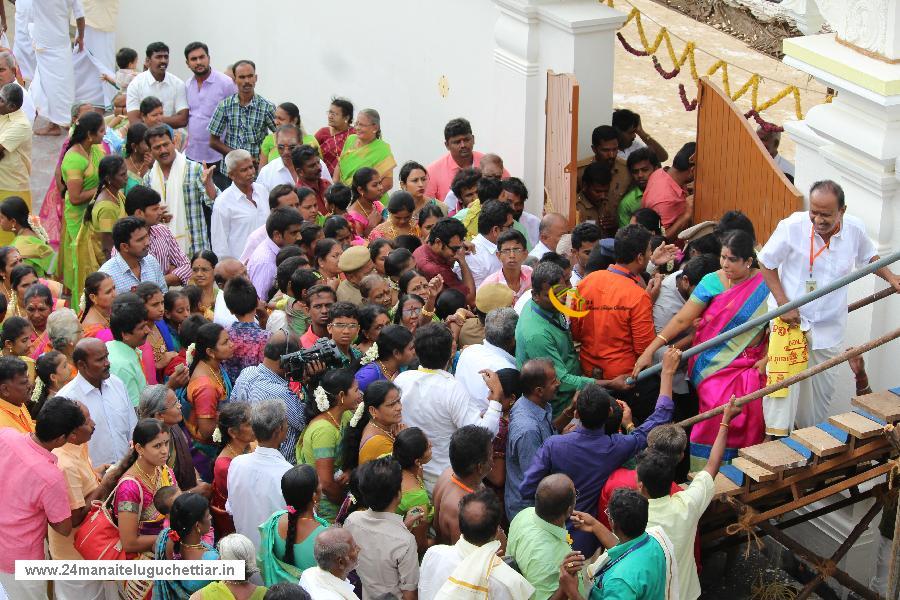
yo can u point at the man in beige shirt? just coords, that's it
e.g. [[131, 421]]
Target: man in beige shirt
[[15, 149]]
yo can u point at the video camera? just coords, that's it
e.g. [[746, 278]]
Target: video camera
[[324, 351]]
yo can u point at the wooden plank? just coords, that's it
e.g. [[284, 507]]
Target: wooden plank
[[725, 487], [734, 474], [774, 456], [884, 404], [818, 441], [753, 470], [856, 425], [835, 432]]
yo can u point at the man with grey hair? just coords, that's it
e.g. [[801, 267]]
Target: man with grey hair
[[254, 480], [241, 208], [8, 66], [336, 554], [498, 351], [15, 146], [241, 120]]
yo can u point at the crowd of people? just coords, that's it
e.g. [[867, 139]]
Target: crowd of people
[[471, 423]]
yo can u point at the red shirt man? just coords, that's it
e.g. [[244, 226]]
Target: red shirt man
[[444, 248]]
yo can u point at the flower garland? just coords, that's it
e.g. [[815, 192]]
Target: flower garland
[[321, 397], [357, 414], [217, 436], [370, 356], [189, 354]]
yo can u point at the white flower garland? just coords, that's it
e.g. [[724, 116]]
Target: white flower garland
[[370, 356], [38, 388], [189, 354], [357, 414], [321, 397], [35, 223], [217, 436]]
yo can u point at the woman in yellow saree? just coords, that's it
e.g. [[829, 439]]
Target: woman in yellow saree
[[30, 240], [79, 174], [93, 244], [365, 148]]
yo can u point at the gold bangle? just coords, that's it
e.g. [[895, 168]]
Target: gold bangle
[[660, 336], [725, 425], [427, 313]]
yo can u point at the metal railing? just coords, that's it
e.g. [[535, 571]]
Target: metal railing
[[798, 302]]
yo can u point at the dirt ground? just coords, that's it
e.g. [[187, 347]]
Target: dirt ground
[[639, 87]]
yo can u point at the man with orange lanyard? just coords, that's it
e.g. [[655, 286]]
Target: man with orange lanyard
[[808, 251], [14, 393]]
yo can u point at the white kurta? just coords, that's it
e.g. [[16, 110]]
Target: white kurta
[[53, 88], [23, 47]]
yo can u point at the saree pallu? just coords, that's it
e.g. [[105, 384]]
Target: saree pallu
[[273, 569], [177, 589], [204, 454], [728, 369], [35, 252], [375, 155]]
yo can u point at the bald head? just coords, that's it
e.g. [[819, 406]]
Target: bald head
[[91, 358], [555, 498], [553, 226], [227, 269]]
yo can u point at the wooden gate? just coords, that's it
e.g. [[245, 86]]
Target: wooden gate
[[734, 171], [561, 144]]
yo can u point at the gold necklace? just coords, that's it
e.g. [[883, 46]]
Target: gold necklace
[[384, 371], [328, 414], [146, 477], [382, 430], [105, 319], [193, 546], [215, 375]]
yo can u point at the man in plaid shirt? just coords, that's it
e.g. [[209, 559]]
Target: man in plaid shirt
[[241, 121], [146, 204]]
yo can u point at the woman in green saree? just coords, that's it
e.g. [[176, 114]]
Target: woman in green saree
[[93, 245], [30, 238], [365, 148], [80, 176], [287, 538]]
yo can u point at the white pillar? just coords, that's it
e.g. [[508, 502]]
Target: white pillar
[[532, 37]]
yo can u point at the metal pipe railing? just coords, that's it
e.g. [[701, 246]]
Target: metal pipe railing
[[805, 299]]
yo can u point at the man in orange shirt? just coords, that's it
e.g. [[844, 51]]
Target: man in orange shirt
[[14, 391], [619, 324]]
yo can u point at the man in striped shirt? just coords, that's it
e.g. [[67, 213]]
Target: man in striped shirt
[[146, 204]]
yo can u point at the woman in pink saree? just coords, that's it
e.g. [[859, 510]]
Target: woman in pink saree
[[722, 301]]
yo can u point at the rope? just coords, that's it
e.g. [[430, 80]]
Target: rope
[[687, 56], [745, 525]]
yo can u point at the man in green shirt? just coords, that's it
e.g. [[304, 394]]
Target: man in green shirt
[[635, 566], [542, 332], [538, 540], [129, 326], [641, 164]]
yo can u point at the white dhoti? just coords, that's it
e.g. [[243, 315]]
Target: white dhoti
[[98, 58], [808, 402], [53, 88], [85, 590], [23, 46]]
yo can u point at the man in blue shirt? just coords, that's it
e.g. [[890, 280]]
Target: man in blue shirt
[[133, 264], [588, 454]]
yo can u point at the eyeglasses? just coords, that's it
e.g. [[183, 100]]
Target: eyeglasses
[[454, 249], [412, 312], [347, 326], [287, 146], [510, 251]]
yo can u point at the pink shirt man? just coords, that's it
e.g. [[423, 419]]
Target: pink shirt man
[[664, 196], [442, 171], [524, 281], [33, 493]]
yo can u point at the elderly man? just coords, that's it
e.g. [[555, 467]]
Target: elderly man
[[107, 400], [15, 148], [805, 252], [8, 66], [388, 561], [34, 493], [54, 78], [282, 229], [552, 227], [187, 187], [158, 82], [267, 381], [538, 536], [203, 92], [472, 561], [242, 120], [241, 208], [355, 262], [287, 139], [99, 59], [254, 480], [337, 555], [133, 263], [225, 270], [497, 351]]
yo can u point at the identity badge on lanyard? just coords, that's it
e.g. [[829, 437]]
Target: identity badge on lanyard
[[811, 283]]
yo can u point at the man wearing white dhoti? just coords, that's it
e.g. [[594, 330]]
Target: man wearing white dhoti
[[8, 75], [99, 57], [23, 47], [53, 88]]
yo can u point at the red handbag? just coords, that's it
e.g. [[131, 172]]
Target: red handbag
[[97, 538]]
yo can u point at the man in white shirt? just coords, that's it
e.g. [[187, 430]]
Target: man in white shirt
[[99, 58], [472, 561], [106, 399], [225, 270], [254, 480], [772, 140], [337, 555], [495, 353], [515, 193], [53, 87], [281, 170], [584, 237], [553, 226], [632, 135], [437, 403], [495, 218], [805, 252], [8, 75], [240, 209], [157, 81]]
